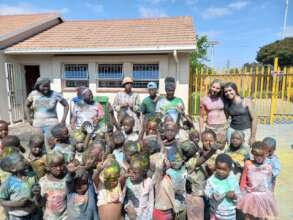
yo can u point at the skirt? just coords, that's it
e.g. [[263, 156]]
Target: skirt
[[258, 204]]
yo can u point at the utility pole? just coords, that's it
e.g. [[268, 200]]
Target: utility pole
[[285, 18], [212, 44]]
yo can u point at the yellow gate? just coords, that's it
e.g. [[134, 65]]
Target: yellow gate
[[270, 88]]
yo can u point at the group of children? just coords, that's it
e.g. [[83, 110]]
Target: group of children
[[168, 171]]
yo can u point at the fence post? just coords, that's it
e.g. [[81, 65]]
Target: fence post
[[272, 109]]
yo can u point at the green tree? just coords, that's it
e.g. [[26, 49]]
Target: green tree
[[283, 49], [200, 54]]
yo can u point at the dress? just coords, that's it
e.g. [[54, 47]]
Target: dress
[[258, 199], [141, 198]]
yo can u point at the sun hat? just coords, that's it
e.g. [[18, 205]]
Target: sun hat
[[152, 85], [126, 80]]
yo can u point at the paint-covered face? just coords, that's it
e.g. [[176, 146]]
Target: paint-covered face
[[221, 141], [111, 176], [236, 140], [207, 140], [45, 88], [79, 146], [81, 185], [230, 93], [57, 168], [37, 150], [222, 170], [128, 125], [170, 131], [3, 130], [136, 172], [118, 139], [64, 134], [215, 89], [152, 128], [194, 137], [175, 159], [88, 96], [271, 151], [259, 155]]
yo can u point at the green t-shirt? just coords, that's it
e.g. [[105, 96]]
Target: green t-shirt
[[148, 106], [169, 107]]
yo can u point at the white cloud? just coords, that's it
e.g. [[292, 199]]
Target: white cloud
[[26, 8], [151, 12], [213, 12], [156, 2], [238, 5], [97, 8]]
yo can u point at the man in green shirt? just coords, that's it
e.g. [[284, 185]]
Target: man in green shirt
[[148, 106]]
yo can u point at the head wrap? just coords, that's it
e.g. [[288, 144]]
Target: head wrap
[[41, 81]]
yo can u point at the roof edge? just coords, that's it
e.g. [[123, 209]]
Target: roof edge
[[161, 49], [51, 17]]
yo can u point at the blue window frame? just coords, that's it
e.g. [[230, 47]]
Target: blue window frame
[[110, 75], [144, 73], [76, 75]]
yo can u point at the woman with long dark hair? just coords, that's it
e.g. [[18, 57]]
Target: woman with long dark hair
[[241, 112], [212, 115]]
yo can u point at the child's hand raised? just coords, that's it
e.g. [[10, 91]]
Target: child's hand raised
[[72, 166]]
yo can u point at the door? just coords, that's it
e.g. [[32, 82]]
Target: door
[[31, 74], [15, 91]]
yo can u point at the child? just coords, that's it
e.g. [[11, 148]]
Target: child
[[36, 158], [118, 141], [170, 181], [170, 132], [196, 180], [3, 132], [53, 187], [128, 124], [78, 138], [194, 136], [11, 143], [110, 189], [63, 145], [208, 139], [256, 181], [139, 189], [81, 198], [238, 152], [93, 155], [272, 159], [222, 190], [130, 148], [221, 141], [19, 194]]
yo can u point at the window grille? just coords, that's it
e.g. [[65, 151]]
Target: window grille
[[110, 75], [76, 75], [144, 73]]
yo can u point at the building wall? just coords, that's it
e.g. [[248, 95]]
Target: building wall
[[52, 67], [3, 91]]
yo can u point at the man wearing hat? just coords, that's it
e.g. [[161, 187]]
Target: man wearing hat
[[128, 101], [148, 105], [170, 105]]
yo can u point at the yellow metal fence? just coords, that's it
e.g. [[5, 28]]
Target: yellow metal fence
[[270, 88]]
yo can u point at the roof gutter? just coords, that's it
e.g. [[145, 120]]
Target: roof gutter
[[130, 50]]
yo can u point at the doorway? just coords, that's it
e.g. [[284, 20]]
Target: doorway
[[31, 74]]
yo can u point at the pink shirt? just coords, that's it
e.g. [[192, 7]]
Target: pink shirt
[[215, 110]]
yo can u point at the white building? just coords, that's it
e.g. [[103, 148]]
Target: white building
[[97, 53]]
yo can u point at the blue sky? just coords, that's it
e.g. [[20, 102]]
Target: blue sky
[[240, 26]]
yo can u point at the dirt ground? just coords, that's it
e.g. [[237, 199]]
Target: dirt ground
[[284, 136]]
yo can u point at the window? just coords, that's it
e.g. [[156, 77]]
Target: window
[[144, 73], [110, 75], [76, 75]]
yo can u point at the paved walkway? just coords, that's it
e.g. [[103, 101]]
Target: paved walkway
[[284, 136]]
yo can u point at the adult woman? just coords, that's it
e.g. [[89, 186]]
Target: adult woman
[[128, 101], [86, 109], [212, 106], [43, 101], [241, 112]]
